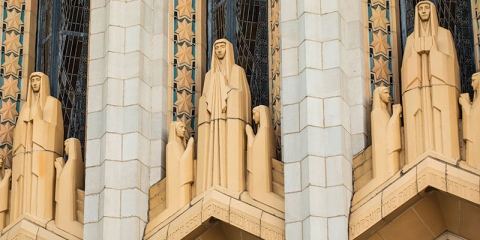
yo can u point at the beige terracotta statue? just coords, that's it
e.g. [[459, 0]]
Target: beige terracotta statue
[[224, 110], [180, 157], [471, 124], [386, 136], [5, 177], [70, 178], [431, 86], [261, 149], [37, 142]]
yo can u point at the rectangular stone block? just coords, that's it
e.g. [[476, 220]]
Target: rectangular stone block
[[399, 192], [216, 204], [463, 184], [245, 217], [431, 173], [186, 223], [365, 217]]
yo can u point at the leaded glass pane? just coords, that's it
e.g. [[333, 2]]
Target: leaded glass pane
[[249, 35], [62, 54]]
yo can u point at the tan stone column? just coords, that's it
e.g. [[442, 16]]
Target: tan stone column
[[126, 114], [323, 88]]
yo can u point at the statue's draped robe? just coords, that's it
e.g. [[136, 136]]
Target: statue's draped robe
[[471, 128], [386, 139], [38, 141], [431, 85], [4, 194], [221, 134], [70, 178], [261, 150], [179, 170]]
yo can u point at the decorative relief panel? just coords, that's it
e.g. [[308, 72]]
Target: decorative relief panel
[[274, 63], [11, 69], [184, 43], [381, 38]]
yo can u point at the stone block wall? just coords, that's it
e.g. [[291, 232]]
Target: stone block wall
[[126, 120], [323, 111]]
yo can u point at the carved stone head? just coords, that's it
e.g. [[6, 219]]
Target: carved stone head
[[475, 80], [423, 9], [256, 116], [385, 95], [180, 130], [35, 82], [220, 50]]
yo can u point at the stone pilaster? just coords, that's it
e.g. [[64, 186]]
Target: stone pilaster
[[323, 107], [126, 131]]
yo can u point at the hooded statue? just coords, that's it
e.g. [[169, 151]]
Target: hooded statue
[[431, 86], [179, 167], [386, 136], [37, 142], [261, 149], [471, 123], [70, 179], [5, 177], [224, 110]]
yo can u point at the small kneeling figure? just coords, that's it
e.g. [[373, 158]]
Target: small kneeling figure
[[471, 124], [70, 185], [260, 152], [179, 167], [5, 177], [386, 137]]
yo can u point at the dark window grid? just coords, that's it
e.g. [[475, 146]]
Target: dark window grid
[[69, 43]]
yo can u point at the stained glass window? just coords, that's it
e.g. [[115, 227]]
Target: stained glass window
[[62, 51], [245, 24], [454, 15]]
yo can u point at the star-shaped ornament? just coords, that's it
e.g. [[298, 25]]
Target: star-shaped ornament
[[13, 20], [275, 13], [12, 42], [379, 18], [380, 43], [275, 37], [184, 79], [375, 2], [277, 111], [184, 8], [9, 111], [184, 54], [184, 102], [380, 68], [10, 88], [11, 65], [184, 30], [16, 4], [276, 62], [6, 133]]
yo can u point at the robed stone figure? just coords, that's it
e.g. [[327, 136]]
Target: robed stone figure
[[430, 89], [179, 167], [386, 135], [224, 110], [471, 123], [37, 142]]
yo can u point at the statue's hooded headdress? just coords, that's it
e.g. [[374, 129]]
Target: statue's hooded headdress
[[172, 135], [377, 98], [228, 59], [432, 21], [44, 89]]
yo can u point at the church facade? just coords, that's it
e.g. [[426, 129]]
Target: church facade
[[220, 119]]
